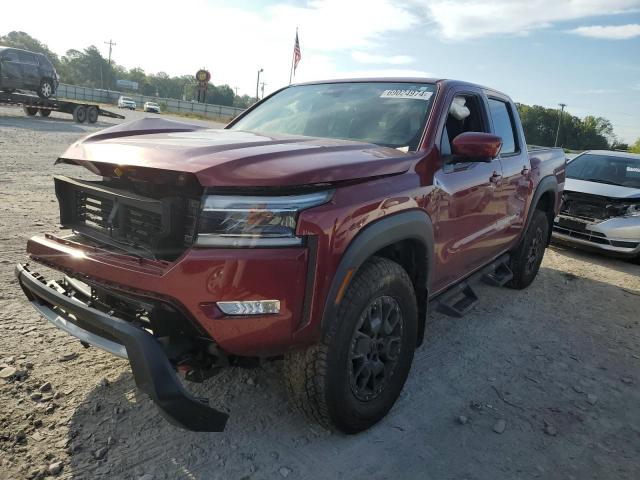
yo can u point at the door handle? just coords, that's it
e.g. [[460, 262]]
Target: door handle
[[525, 170], [495, 178]]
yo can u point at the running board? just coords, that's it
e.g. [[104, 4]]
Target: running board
[[461, 298], [499, 277], [457, 301]]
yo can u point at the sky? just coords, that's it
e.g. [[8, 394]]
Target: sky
[[585, 53]]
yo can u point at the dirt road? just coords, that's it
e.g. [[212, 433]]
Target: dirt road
[[555, 368]]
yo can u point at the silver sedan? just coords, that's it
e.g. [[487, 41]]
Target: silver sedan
[[601, 203]]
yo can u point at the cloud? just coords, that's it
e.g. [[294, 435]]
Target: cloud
[[364, 57], [464, 19], [609, 32]]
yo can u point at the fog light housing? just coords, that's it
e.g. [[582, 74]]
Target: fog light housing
[[250, 307]]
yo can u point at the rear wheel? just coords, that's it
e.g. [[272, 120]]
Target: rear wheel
[[46, 89], [31, 111], [80, 114], [45, 112], [92, 114], [351, 379], [527, 257]]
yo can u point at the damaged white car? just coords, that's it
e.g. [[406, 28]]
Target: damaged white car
[[601, 203]]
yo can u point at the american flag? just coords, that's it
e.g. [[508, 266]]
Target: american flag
[[297, 55]]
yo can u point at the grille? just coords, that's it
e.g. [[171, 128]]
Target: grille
[[594, 237], [591, 207], [141, 227], [152, 227], [117, 220], [93, 211]]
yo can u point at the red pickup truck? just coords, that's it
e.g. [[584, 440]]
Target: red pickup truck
[[319, 225]]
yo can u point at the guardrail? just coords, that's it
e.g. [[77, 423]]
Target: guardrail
[[75, 92]]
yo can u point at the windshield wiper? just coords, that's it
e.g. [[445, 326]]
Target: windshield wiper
[[598, 180]]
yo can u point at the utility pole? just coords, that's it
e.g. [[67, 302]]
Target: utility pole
[[258, 84], [562, 105], [111, 44], [236, 90]]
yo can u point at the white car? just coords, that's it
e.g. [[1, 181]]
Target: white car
[[126, 102], [151, 107]]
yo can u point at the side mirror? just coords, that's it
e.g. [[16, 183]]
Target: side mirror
[[477, 146]]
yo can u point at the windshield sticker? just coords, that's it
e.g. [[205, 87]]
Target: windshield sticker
[[407, 94]]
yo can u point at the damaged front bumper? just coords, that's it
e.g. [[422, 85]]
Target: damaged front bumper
[[618, 236], [152, 371]]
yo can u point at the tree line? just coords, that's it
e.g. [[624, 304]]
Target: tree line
[[89, 68], [540, 126]]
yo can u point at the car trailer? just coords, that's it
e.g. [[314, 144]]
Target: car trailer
[[32, 104]]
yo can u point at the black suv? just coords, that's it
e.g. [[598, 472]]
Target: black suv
[[20, 69]]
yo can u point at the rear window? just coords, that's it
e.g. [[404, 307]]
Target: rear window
[[503, 125], [10, 56], [613, 170]]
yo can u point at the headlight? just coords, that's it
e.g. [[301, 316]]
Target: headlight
[[238, 221], [632, 211]]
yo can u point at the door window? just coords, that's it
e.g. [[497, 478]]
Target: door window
[[465, 115], [27, 58], [502, 118]]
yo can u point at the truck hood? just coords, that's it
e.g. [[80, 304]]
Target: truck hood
[[232, 158], [601, 189]]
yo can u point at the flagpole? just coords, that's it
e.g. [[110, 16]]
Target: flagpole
[[293, 55]]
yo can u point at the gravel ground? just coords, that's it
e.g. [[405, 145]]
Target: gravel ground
[[540, 383]]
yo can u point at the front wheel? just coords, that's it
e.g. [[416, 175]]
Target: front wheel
[[527, 257], [351, 379]]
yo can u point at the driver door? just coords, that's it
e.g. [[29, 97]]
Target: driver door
[[467, 195]]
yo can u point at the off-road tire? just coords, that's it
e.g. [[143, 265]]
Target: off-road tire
[[526, 258], [44, 112], [30, 111], [318, 378]]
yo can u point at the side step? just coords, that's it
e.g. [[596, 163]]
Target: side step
[[499, 277], [459, 299]]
